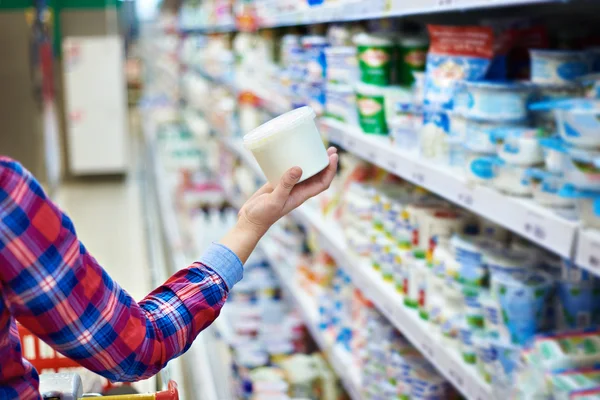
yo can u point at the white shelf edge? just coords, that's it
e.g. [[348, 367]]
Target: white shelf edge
[[337, 357], [519, 215], [390, 303], [588, 250], [357, 11]]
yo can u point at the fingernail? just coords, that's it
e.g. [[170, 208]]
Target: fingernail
[[295, 173]]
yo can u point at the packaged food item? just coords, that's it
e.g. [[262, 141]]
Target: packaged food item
[[289, 44], [492, 316], [522, 302], [576, 304], [519, 145], [456, 53], [582, 169], [496, 100], [516, 263], [555, 155], [415, 274], [473, 310], [551, 92], [574, 384], [314, 53], [558, 66], [546, 187], [468, 253], [404, 127], [289, 140], [511, 179], [486, 356], [479, 136], [467, 347], [340, 103], [566, 350], [375, 58], [412, 53], [315, 97], [370, 100], [342, 65], [479, 167]]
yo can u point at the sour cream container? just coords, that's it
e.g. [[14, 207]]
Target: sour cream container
[[292, 139], [558, 66], [497, 100]]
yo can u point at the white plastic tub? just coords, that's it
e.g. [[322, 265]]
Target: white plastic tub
[[290, 140], [558, 66]]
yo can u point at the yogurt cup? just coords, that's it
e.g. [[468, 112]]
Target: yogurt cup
[[480, 167], [342, 65], [473, 310], [576, 304], [314, 53], [497, 100], [370, 100], [467, 346], [511, 263], [583, 169], [492, 316], [507, 360], [523, 303], [558, 66], [340, 103], [555, 155], [550, 92], [402, 130], [412, 54], [519, 146], [478, 133], [374, 58], [292, 139], [546, 187], [578, 122], [468, 253], [511, 179], [486, 356]]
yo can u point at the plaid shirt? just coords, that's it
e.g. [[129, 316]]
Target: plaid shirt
[[57, 290]]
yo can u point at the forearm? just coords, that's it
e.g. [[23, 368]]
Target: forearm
[[242, 239]]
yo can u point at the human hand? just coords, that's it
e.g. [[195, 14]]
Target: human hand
[[269, 204]]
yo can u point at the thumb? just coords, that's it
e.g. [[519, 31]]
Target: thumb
[[286, 184]]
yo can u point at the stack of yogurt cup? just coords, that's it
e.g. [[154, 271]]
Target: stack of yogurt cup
[[387, 66]]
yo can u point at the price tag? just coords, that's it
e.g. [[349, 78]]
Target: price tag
[[534, 226], [446, 3], [418, 177], [427, 349], [466, 198], [456, 377], [350, 144]]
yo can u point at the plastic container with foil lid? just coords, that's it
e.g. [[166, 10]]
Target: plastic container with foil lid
[[558, 66], [290, 140], [375, 58], [497, 100]]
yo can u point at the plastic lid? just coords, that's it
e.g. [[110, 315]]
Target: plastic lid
[[365, 39], [283, 123]]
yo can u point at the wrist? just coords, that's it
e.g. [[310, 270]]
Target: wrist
[[248, 230]]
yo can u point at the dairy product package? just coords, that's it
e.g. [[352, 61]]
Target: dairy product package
[[573, 383], [456, 53], [566, 350]]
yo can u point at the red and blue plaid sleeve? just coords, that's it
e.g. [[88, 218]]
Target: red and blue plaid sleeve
[[55, 288]]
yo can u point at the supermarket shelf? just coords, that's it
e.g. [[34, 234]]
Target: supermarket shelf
[[372, 9], [202, 378], [338, 358], [588, 250], [522, 216], [222, 28], [384, 296], [421, 334]]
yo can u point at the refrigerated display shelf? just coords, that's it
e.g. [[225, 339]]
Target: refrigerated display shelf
[[338, 357], [202, 377], [523, 216], [364, 10], [384, 297]]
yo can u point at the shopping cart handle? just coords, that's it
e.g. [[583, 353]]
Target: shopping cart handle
[[63, 386], [170, 394]]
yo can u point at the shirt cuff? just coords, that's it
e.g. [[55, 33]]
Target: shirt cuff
[[224, 262]]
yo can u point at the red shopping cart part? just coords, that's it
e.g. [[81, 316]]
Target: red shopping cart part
[[45, 359]]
